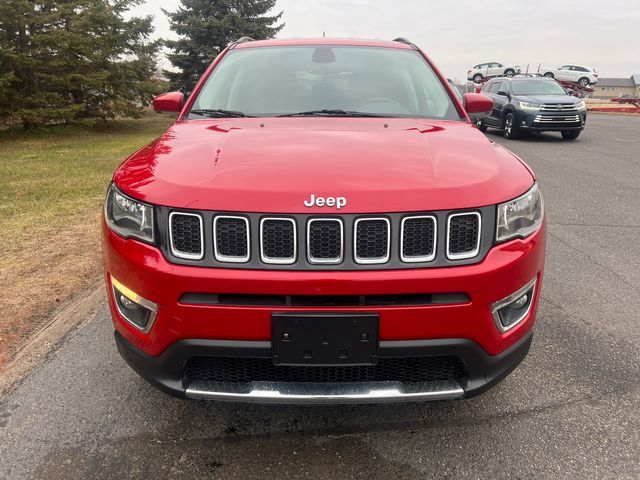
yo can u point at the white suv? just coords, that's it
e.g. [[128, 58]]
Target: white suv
[[573, 73], [491, 69]]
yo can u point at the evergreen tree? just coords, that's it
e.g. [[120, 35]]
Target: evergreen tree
[[206, 27], [62, 60]]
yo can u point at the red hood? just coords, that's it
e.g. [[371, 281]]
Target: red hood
[[272, 165]]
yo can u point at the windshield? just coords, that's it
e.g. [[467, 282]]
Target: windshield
[[537, 87], [271, 81]]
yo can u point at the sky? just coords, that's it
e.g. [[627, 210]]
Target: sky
[[604, 34]]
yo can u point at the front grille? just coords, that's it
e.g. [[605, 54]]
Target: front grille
[[231, 236], [278, 240], [313, 242], [463, 235], [324, 240], [394, 369], [557, 107], [186, 235], [418, 239], [557, 119], [371, 241]]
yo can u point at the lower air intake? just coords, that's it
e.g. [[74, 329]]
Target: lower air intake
[[398, 369]]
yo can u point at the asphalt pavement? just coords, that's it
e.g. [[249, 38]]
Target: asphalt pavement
[[571, 410]]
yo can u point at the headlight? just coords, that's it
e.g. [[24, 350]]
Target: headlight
[[520, 217], [128, 217], [581, 105], [529, 106]]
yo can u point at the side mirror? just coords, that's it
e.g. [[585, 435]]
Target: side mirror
[[503, 93], [477, 103], [169, 102]]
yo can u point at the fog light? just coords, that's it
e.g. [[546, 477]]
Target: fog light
[[521, 302], [135, 309], [510, 311], [126, 303]]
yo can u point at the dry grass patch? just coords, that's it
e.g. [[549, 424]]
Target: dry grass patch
[[52, 184]]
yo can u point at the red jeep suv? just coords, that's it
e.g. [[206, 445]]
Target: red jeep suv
[[323, 223]]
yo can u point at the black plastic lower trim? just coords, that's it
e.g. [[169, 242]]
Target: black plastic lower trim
[[166, 371]]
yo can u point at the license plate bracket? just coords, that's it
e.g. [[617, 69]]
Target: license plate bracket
[[324, 338]]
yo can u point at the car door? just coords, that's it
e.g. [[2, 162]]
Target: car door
[[491, 90], [494, 69], [501, 99], [564, 73]]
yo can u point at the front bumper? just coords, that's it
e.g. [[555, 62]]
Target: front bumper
[[552, 121], [482, 371], [466, 329]]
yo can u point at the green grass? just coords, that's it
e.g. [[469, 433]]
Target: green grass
[[52, 173]]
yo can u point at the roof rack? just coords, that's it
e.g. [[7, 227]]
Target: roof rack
[[241, 40], [403, 40]]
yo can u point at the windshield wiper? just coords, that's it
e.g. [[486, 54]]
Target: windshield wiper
[[330, 113], [218, 112]]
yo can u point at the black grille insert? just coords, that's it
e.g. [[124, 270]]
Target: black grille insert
[[231, 239], [372, 240], [324, 241], [394, 299], [418, 239], [186, 235], [464, 235], [278, 240], [398, 369]]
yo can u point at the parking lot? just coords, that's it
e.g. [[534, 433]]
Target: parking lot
[[571, 410]]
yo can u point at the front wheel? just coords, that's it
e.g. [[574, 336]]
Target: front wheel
[[584, 81], [548, 75], [511, 130], [570, 134], [509, 72]]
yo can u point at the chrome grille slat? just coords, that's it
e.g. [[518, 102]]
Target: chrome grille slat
[[371, 240], [278, 242], [186, 235], [235, 246], [418, 237], [325, 240], [557, 107], [557, 119], [463, 235]]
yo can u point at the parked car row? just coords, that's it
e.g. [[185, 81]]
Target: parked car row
[[579, 74]]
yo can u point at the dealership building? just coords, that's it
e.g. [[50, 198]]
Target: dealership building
[[608, 88]]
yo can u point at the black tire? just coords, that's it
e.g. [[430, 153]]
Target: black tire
[[549, 74], [570, 134], [510, 127], [584, 81], [477, 78], [509, 72], [480, 125]]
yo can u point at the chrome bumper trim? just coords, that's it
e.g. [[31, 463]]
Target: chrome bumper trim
[[322, 393]]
